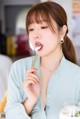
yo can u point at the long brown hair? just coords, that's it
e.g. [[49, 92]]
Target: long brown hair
[[47, 11], [69, 50]]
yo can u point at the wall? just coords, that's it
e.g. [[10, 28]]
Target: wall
[[4, 3], [2, 14], [0, 9], [67, 5], [0, 18], [11, 15], [20, 2]]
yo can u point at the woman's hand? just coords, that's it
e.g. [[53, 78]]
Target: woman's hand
[[32, 85]]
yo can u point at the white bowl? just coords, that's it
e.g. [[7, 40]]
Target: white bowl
[[68, 112]]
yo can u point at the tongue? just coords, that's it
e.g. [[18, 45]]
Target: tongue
[[38, 47]]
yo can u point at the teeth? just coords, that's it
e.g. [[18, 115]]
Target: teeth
[[37, 48]]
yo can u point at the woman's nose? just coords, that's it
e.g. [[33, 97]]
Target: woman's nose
[[36, 34]]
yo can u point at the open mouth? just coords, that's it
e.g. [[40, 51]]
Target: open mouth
[[38, 46]]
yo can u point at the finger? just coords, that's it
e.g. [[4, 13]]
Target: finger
[[28, 83], [30, 78], [33, 70], [34, 76]]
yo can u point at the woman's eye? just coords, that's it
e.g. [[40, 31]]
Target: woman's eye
[[44, 27], [31, 29]]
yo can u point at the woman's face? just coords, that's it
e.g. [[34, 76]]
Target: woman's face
[[43, 39]]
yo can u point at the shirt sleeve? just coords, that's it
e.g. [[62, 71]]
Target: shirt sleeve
[[14, 108]]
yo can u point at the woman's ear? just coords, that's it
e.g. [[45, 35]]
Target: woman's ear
[[63, 31]]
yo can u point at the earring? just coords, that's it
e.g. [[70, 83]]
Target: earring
[[62, 40]]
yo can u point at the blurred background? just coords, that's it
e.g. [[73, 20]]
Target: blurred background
[[13, 37]]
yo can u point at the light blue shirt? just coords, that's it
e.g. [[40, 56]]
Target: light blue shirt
[[63, 86]]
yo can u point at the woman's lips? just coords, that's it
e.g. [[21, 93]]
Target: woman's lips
[[38, 46]]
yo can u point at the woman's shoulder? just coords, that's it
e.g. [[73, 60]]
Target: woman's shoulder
[[73, 67], [24, 62]]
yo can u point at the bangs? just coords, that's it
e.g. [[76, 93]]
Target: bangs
[[36, 17], [38, 14]]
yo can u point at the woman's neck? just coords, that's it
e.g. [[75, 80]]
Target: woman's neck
[[51, 62]]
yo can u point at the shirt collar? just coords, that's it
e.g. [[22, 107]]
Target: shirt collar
[[37, 64]]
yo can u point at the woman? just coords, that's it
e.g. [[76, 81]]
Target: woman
[[40, 85]]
